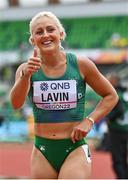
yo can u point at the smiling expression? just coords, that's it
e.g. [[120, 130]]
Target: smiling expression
[[46, 34]]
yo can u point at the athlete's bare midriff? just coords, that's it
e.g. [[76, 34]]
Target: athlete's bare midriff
[[55, 130]]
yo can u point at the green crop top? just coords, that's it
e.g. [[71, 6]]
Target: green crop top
[[59, 99]]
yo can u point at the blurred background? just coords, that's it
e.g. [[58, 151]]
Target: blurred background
[[97, 29]]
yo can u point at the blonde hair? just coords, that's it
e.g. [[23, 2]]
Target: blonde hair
[[50, 15]]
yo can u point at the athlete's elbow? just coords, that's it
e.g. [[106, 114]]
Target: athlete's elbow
[[16, 104], [114, 99]]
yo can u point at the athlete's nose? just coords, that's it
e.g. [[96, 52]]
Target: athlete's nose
[[45, 34]]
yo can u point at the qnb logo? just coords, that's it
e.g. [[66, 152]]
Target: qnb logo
[[44, 86]]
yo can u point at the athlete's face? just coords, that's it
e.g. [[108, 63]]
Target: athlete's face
[[46, 34]]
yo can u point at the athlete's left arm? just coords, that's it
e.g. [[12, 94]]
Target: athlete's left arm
[[103, 88]]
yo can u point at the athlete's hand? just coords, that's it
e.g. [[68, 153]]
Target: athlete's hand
[[81, 130], [33, 64]]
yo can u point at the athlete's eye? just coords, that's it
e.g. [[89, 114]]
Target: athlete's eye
[[50, 29], [39, 33]]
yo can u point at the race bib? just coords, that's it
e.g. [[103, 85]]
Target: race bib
[[55, 95]]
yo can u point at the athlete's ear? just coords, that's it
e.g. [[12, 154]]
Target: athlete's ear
[[31, 41], [61, 36]]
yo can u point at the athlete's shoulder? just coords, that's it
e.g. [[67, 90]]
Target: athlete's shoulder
[[82, 60], [86, 65]]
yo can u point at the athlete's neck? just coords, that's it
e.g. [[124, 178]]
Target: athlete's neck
[[54, 60]]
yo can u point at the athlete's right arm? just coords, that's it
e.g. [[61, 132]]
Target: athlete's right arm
[[21, 86], [20, 89]]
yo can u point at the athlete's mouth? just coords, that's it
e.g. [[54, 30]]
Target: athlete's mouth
[[49, 42]]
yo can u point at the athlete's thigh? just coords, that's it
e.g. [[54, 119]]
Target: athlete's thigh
[[40, 167], [77, 165]]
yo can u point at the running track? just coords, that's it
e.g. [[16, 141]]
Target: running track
[[15, 158]]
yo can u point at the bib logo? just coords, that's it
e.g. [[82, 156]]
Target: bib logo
[[44, 86], [54, 86], [58, 86]]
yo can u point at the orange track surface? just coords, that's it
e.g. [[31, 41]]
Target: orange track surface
[[15, 159]]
